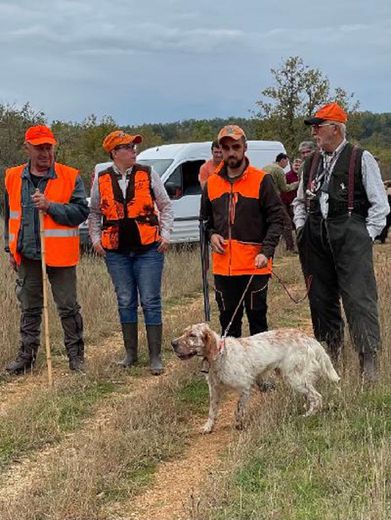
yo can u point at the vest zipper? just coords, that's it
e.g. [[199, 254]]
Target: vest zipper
[[37, 229], [230, 210], [124, 199]]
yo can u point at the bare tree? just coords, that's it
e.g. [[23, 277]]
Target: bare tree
[[297, 92]]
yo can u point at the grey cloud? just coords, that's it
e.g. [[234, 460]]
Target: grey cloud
[[166, 61]]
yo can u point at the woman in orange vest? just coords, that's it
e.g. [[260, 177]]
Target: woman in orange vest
[[58, 191], [130, 225]]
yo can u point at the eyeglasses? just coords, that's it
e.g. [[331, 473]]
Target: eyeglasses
[[129, 146], [322, 124]]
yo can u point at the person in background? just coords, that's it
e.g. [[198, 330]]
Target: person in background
[[130, 225], [305, 149], [42, 184], [288, 197], [340, 208], [243, 216], [209, 167], [276, 171]]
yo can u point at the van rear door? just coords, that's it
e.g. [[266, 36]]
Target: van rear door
[[184, 190]]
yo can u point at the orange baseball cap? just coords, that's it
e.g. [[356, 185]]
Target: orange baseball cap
[[233, 131], [39, 134], [329, 112], [118, 137]]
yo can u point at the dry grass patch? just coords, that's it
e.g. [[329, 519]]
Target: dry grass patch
[[336, 465], [181, 279], [110, 461]]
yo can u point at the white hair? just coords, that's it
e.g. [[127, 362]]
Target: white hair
[[342, 127], [305, 145]]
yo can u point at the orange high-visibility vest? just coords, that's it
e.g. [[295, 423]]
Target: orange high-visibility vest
[[61, 242], [137, 209], [238, 219]]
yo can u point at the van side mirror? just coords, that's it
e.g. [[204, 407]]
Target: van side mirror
[[173, 190]]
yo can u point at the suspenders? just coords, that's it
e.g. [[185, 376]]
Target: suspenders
[[314, 168]]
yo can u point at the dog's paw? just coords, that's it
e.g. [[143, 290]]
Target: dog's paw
[[207, 428]]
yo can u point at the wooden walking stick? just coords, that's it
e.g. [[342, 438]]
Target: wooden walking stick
[[45, 300]]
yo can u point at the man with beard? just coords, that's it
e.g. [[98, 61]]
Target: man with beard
[[243, 216]]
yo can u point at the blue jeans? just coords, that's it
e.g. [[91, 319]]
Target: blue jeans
[[137, 275]]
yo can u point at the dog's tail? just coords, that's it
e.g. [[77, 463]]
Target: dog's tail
[[325, 362]]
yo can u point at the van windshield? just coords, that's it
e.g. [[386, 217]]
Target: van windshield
[[159, 165]]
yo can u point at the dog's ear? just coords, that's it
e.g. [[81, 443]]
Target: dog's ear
[[210, 343]]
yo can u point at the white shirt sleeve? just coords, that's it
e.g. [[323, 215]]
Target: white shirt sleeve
[[164, 205], [377, 196], [298, 205]]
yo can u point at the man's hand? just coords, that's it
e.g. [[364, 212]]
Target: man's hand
[[99, 249], [40, 201], [163, 245], [260, 261], [218, 243], [12, 262]]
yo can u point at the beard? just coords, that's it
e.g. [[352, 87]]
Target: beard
[[234, 163]]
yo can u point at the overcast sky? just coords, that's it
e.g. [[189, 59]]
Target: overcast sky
[[159, 61]]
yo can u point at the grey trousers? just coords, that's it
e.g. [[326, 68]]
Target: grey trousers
[[30, 295]]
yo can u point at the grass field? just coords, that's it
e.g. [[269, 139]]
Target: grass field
[[118, 444]]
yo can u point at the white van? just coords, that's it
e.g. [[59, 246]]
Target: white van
[[178, 166]]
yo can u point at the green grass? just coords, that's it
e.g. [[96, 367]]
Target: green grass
[[136, 479], [45, 418], [195, 395], [324, 467]]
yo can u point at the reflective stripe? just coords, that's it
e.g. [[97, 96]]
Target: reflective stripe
[[14, 214], [61, 233], [11, 237]]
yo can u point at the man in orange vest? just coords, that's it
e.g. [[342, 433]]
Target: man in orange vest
[[58, 191], [244, 216], [208, 168]]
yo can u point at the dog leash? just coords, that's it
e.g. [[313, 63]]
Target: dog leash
[[237, 308], [308, 282]]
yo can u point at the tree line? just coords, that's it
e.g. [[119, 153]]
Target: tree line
[[295, 93]]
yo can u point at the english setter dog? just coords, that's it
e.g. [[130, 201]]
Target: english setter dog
[[240, 363]]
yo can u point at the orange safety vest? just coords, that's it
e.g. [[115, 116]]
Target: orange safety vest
[[134, 215], [61, 242], [238, 219]]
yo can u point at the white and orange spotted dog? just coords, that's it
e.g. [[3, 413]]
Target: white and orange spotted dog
[[240, 364]]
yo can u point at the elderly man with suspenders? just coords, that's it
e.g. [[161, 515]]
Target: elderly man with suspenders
[[339, 210]]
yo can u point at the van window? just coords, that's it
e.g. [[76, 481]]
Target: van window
[[184, 180], [159, 165]]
